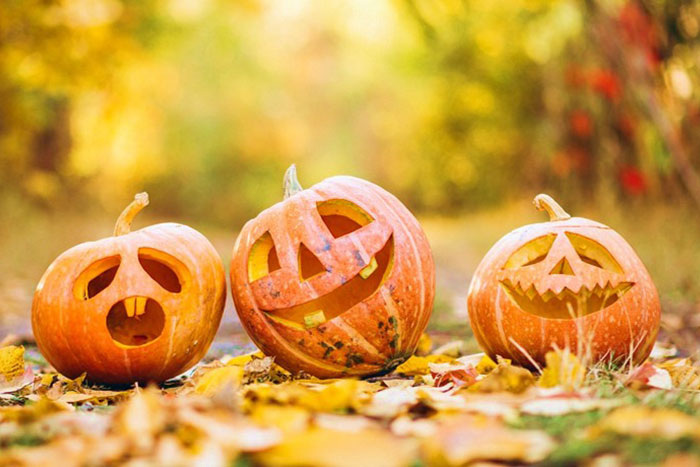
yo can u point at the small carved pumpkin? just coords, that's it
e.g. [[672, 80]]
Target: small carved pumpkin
[[335, 280], [569, 282], [140, 306]]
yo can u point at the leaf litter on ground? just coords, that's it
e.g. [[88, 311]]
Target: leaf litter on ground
[[437, 408]]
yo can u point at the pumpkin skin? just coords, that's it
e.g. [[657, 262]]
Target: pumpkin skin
[[140, 306], [569, 282], [345, 248]]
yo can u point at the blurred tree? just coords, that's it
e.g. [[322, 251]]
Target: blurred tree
[[451, 104]]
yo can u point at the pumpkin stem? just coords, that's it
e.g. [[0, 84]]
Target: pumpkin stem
[[546, 203], [123, 225], [291, 183]]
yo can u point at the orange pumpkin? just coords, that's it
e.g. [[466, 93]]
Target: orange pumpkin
[[569, 282], [337, 279], [139, 306]]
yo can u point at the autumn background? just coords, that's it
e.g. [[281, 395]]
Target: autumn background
[[463, 109]]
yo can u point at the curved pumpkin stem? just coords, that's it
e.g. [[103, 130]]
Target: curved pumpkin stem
[[291, 183], [545, 202], [123, 225]]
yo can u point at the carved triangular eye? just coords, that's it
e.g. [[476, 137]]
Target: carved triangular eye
[[262, 259], [96, 277], [342, 216], [533, 252], [309, 264], [593, 253], [161, 267]]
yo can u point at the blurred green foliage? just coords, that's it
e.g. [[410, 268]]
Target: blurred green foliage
[[451, 104]]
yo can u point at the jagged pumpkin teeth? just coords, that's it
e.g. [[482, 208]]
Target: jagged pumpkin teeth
[[341, 262], [567, 282], [136, 307]]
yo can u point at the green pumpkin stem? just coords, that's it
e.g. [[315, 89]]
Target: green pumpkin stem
[[546, 203], [123, 225], [291, 183]]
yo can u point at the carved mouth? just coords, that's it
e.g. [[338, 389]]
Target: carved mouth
[[326, 307], [135, 321], [565, 304]]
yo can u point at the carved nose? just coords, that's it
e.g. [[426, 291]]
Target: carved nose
[[562, 267]]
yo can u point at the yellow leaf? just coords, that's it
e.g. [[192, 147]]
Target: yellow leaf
[[324, 447], [288, 419], [213, 381], [505, 377], [642, 421], [466, 439], [241, 360], [563, 369], [486, 365], [425, 344], [421, 365], [11, 362], [683, 374]]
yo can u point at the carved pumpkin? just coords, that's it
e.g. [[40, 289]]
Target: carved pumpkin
[[569, 282], [337, 279], [139, 306]]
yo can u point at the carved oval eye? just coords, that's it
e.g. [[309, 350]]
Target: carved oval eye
[[533, 252], [96, 277], [162, 268], [593, 253], [342, 216], [262, 259]]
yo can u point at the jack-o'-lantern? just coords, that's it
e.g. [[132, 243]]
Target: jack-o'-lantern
[[337, 279], [140, 306], [569, 282]]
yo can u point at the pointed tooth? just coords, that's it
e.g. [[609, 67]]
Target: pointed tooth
[[531, 293]]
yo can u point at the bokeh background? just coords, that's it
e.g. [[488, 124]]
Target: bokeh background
[[463, 108]]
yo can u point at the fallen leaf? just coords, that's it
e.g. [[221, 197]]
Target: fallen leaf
[[11, 361], [425, 345], [324, 448], [457, 375], [649, 376], [684, 374], [469, 438], [562, 404], [215, 380], [416, 366], [505, 377], [563, 369], [642, 421]]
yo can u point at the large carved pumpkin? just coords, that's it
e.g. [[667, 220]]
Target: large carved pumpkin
[[139, 306], [337, 279], [569, 282]]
